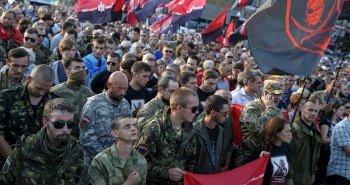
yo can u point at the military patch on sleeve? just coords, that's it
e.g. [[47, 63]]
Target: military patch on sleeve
[[142, 150], [6, 167], [85, 120]]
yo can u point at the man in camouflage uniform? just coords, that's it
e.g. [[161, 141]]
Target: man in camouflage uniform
[[21, 108], [166, 86], [73, 89], [120, 163], [17, 63], [322, 95], [10, 36], [46, 51], [2, 56], [87, 39], [97, 116], [168, 141], [51, 156], [256, 114]]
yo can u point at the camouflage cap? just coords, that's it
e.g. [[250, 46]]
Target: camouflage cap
[[273, 86]]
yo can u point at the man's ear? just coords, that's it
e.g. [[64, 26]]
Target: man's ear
[[115, 133], [30, 79], [8, 62]]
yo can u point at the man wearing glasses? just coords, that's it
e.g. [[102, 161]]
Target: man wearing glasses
[[210, 136], [167, 53], [51, 156], [256, 114], [30, 41], [41, 36], [168, 141]]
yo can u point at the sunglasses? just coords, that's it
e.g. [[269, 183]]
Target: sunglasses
[[193, 109], [229, 56], [168, 51], [58, 124], [223, 114], [347, 107], [42, 35], [28, 38], [111, 63]]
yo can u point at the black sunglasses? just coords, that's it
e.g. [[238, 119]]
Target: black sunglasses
[[193, 109], [28, 38], [168, 51], [42, 35], [111, 63], [347, 107], [58, 124], [229, 56]]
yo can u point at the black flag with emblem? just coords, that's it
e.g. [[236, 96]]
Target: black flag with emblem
[[290, 36]]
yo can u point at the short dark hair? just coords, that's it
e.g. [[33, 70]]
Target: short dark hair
[[210, 73], [69, 62], [17, 53], [115, 55], [98, 40], [31, 31], [164, 81], [110, 41], [249, 76], [127, 64], [136, 29], [59, 104], [215, 102], [116, 121], [72, 32], [185, 76], [67, 25], [140, 67]]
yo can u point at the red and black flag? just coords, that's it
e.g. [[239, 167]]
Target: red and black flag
[[229, 31], [187, 11], [93, 11], [290, 37], [239, 34], [118, 10], [243, 3], [162, 26], [215, 28]]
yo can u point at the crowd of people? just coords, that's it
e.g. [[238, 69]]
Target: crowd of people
[[118, 104]]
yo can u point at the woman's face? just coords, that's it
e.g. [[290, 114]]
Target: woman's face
[[339, 112], [285, 135]]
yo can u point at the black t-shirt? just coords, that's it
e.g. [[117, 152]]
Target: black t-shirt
[[99, 82], [62, 76], [213, 136], [152, 87], [202, 96], [136, 98], [278, 166]]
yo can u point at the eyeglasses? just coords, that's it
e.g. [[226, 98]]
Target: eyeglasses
[[193, 109], [223, 113], [168, 51], [111, 63], [58, 124], [347, 107], [229, 56], [29, 38], [42, 35]]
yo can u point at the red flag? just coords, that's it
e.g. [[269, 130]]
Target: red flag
[[229, 31], [95, 12], [220, 40], [290, 37], [173, 4], [242, 3], [249, 174], [162, 25], [118, 6], [236, 111], [131, 17], [214, 29]]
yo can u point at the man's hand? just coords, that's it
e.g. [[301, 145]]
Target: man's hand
[[176, 174], [267, 99], [133, 178]]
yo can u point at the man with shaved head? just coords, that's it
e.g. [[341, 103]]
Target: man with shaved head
[[97, 116], [21, 108]]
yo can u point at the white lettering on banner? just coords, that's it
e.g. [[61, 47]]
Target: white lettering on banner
[[254, 179]]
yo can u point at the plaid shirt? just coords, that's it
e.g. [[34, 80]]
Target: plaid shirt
[[339, 163]]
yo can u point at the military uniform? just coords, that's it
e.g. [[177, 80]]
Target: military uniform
[[34, 161], [108, 168], [95, 125], [17, 116], [77, 96], [165, 148], [2, 55], [254, 118], [40, 57], [9, 44], [47, 53], [150, 108], [81, 46], [5, 83]]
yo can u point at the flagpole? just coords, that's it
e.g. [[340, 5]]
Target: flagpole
[[299, 100]]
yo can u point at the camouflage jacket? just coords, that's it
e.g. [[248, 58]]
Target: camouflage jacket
[[108, 168], [16, 113], [2, 55], [95, 125], [165, 148], [150, 108], [28, 164], [47, 53], [77, 96], [40, 57], [253, 119], [5, 83]]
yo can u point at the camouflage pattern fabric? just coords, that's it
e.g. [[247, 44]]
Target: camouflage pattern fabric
[[108, 168], [150, 108], [2, 55], [321, 96], [39, 57], [5, 83], [8, 44], [165, 148], [17, 116], [95, 125], [47, 53], [254, 118], [77, 96], [28, 164]]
